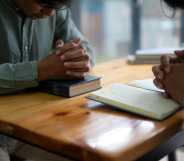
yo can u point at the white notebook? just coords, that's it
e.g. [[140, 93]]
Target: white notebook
[[140, 101]]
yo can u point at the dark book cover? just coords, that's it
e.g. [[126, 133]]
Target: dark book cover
[[62, 87]]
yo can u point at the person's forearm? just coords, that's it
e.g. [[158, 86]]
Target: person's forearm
[[18, 76]]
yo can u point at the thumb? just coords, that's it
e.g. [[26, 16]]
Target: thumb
[[59, 43]]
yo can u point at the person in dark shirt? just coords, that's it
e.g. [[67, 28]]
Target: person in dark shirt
[[175, 3]]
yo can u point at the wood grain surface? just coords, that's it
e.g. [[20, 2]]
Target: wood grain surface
[[82, 129]]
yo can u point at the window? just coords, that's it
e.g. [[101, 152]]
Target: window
[[157, 29], [117, 28]]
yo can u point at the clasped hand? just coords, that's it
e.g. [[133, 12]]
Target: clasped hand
[[169, 75], [68, 61]]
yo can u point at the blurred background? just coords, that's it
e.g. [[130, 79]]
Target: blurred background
[[117, 28]]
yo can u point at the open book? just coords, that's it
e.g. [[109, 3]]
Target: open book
[[140, 97]]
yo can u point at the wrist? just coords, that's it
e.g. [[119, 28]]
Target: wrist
[[42, 75]]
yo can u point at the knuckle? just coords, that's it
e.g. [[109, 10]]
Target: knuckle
[[88, 67], [165, 59], [87, 57], [82, 53], [86, 64], [156, 69]]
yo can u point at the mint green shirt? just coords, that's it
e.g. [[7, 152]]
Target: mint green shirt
[[24, 41]]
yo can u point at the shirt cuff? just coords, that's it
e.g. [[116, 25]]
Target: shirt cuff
[[26, 74]]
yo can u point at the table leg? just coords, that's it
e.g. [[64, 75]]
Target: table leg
[[172, 156], [166, 149]]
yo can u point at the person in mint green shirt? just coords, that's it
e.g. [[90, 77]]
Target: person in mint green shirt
[[39, 41], [29, 30]]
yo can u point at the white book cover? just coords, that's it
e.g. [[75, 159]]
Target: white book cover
[[157, 51], [141, 101]]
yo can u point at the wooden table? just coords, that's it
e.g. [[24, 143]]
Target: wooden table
[[85, 130]]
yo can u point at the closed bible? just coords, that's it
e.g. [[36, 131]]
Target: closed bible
[[71, 88]]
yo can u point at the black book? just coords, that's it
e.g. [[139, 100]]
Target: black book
[[71, 88]]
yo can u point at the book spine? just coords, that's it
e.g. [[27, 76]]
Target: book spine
[[58, 91]]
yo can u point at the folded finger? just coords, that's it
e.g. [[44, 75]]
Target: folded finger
[[158, 83], [158, 73], [73, 54], [76, 41], [82, 58], [73, 65], [76, 74], [82, 70], [156, 69], [66, 47], [165, 63]]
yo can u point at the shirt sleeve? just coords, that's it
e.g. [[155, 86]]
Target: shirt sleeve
[[15, 77], [67, 30]]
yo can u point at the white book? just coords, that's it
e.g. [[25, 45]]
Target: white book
[[150, 56], [145, 84], [156, 52], [145, 102]]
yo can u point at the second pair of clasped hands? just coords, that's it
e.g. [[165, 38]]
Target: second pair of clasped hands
[[68, 61], [169, 75]]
